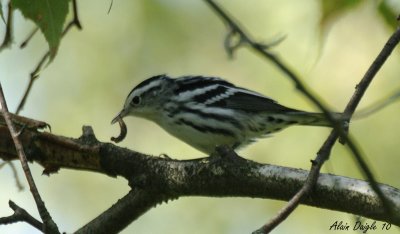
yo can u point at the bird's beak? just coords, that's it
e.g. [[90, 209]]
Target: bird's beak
[[120, 115]]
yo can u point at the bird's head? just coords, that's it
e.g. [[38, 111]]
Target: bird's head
[[147, 98]]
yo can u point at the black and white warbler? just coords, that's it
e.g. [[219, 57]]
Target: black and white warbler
[[206, 112]]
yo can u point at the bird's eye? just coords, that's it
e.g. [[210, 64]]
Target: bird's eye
[[135, 100]]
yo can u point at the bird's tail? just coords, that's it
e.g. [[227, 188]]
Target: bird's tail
[[314, 119]]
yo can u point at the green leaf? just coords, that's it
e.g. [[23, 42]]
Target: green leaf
[[389, 15], [48, 15]]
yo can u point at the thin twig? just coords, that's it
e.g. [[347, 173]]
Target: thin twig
[[35, 74], [29, 37], [377, 106], [49, 226], [31, 80], [16, 176], [75, 19], [111, 4], [19, 215], [8, 36]]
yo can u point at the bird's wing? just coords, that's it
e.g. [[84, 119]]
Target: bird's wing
[[247, 100]]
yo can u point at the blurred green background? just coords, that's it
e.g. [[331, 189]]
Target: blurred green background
[[96, 68]]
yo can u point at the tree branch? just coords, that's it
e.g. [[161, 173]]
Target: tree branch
[[21, 215], [156, 179], [125, 211]]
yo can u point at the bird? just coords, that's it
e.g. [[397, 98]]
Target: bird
[[206, 112]]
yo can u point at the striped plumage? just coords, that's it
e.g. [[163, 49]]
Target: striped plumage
[[206, 111]]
